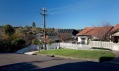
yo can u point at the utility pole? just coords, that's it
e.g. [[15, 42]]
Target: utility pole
[[44, 20]]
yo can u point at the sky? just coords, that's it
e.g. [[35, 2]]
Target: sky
[[68, 14]]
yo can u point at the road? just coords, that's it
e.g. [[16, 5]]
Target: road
[[21, 62]]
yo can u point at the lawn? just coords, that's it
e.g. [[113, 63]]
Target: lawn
[[91, 54]]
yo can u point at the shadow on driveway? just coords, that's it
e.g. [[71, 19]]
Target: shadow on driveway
[[77, 66], [19, 62]]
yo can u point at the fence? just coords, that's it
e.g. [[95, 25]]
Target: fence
[[101, 44], [74, 46], [53, 46], [98, 44]]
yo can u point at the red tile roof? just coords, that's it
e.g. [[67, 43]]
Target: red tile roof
[[98, 32], [85, 31], [115, 28]]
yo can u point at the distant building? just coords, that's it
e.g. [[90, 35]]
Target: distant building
[[60, 34], [66, 34], [53, 36]]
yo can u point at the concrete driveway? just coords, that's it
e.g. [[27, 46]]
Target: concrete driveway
[[21, 62]]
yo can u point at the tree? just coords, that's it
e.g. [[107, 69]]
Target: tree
[[102, 33], [28, 27], [37, 30], [33, 24], [36, 42], [107, 27], [17, 44], [64, 36], [9, 30]]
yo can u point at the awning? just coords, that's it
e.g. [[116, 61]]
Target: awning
[[115, 34]]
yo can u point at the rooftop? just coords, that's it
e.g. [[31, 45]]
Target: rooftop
[[115, 28], [96, 31]]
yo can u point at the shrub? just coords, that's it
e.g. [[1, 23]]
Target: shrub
[[18, 41], [4, 46], [100, 48], [17, 44], [1, 47], [9, 30], [102, 59], [11, 46], [36, 42]]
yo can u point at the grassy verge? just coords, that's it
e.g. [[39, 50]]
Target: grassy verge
[[81, 54]]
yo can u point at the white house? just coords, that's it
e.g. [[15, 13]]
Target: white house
[[93, 33], [83, 39]]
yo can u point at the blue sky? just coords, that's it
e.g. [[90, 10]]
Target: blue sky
[[74, 14]]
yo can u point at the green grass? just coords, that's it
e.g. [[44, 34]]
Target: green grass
[[92, 54]]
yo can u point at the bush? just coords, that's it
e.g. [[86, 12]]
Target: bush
[[1, 47], [95, 39], [36, 42], [17, 44], [103, 59], [4, 46], [12, 46], [100, 48]]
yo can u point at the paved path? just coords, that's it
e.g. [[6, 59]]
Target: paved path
[[116, 59], [116, 53], [20, 62]]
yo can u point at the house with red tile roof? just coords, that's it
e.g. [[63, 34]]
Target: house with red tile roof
[[95, 33], [114, 34]]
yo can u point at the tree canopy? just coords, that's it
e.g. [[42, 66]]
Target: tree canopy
[[9, 30]]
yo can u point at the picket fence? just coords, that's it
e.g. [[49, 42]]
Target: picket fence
[[75, 46], [98, 44], [101, 44]]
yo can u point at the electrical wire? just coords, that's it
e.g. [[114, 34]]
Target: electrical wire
[[77, 7]]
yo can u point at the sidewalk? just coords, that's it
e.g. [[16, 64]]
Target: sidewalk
[[28, 50], [30, 53], [116, 59]]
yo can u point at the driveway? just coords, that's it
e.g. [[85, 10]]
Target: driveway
[[21, 62]]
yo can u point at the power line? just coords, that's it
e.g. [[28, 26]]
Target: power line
[[64, 8], [73, 5], [77, 7]]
